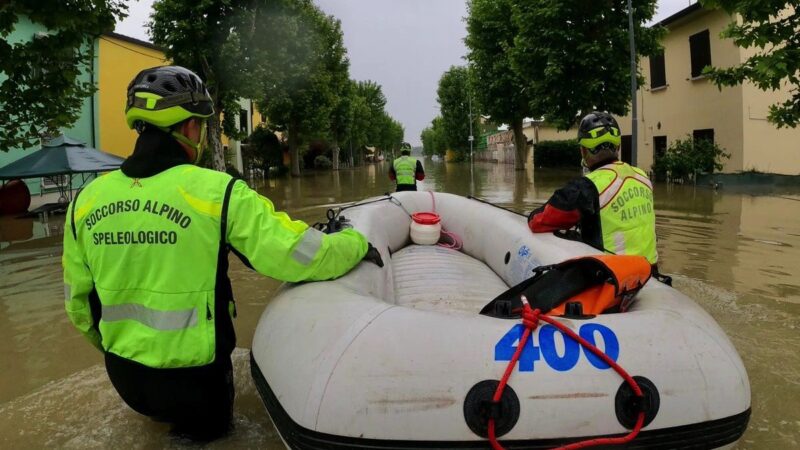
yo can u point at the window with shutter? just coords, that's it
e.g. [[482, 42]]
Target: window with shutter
[[700, 49]]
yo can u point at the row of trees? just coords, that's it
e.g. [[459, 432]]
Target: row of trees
[[451, 129], [537, 58], [556, 60], [286, 55]]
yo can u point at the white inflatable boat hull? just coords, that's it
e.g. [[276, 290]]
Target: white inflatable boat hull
[[385, 358]]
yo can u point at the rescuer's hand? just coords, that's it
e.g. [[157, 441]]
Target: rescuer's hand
[[373, 255]]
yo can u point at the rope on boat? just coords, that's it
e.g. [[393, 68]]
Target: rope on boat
[[455, 242], [530, 319]]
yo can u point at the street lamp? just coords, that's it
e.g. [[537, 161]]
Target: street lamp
[[634, 118]]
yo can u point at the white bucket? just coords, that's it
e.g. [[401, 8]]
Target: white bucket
[[425, 228]]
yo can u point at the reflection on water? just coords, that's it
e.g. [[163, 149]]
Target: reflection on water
[[737, 255]]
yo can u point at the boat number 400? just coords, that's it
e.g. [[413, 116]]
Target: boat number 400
[[546, 348]]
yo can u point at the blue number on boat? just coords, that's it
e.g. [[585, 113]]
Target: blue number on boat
[[505, 348], [547, 342], [611, 347], [507, 345]]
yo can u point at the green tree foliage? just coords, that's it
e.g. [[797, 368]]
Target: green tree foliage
[[574, 55], [562, 153], [501, 92], [208, 37], [771, 26], [453, 97], [433, 139], [307, 73], [40, 89], [685, 158], [263, 149]]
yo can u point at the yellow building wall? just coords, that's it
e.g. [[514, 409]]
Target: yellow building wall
[[119, 62], [766, 147], [684, 104]]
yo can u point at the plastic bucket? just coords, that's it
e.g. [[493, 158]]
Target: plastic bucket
[[425, 228]]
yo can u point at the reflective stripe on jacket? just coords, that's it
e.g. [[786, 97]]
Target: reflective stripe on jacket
[[405, 168], [141, 260], [627, 214]]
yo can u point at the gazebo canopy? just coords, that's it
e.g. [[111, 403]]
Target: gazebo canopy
[[61, 156]]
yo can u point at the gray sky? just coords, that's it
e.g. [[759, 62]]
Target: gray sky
[[404, 45]]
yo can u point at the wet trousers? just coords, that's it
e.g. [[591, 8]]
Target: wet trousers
[[198, 401]]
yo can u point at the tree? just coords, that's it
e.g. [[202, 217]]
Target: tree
[[433, 140], [453, 97], [308, 70], [207, 37], [772, 26], [573, 56], [40, 89], [391, 135], [264, 149], [501, 92]]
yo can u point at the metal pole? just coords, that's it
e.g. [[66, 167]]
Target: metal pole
[[634, 118], [471, 137]]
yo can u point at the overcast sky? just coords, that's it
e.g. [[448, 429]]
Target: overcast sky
[[404, 45]]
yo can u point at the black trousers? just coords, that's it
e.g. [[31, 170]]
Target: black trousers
[[197, 400], [406, 187]]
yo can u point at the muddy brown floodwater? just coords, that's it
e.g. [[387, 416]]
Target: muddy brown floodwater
[[737, 254]]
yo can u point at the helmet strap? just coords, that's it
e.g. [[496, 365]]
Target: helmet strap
[[196, 146]]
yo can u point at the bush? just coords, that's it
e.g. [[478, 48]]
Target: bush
[[564, 153], [685, 158], [322, 162]]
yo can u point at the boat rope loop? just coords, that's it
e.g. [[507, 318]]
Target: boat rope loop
[[530, 319], [448, 239]]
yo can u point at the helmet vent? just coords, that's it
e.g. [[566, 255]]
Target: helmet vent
[[152, 77], [169, 86]]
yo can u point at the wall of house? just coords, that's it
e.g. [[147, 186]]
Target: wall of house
[[119, 62], [687, 104], [766, 147]]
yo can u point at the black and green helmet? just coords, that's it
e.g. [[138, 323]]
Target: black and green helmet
[[599, 130], [166, 95]]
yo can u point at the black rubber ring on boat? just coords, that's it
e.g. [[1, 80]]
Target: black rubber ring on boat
[[478, 408], [627, 405]]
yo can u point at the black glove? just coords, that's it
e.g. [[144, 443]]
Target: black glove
[[373, 255]]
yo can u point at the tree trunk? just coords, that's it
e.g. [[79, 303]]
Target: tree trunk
[[335, 156], [215, 143], [294, 153], [521, 145]]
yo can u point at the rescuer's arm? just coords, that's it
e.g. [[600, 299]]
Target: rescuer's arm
[[392, 173], [419, 172], [563, 210], [78, 285], [286, 249]]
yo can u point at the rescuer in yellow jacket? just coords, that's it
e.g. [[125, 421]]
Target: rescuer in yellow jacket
[[612, 205], [146, 258]]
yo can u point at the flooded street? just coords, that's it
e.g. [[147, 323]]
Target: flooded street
[[737, 255]]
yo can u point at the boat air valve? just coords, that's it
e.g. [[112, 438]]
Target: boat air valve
[[628, 405], [479, 408]]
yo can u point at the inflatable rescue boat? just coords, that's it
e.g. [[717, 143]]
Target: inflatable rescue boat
[[411, 355]]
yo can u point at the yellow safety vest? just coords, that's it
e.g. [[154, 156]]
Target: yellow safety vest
[[405, 168], [627, 215]]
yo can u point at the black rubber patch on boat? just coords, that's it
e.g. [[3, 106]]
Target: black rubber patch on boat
[[478, 408], [508, 257], [627, 405]]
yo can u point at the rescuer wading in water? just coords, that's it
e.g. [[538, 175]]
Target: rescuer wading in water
[[146, 258]]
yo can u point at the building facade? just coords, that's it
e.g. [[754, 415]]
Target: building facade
[[117, 59], [677, 101]]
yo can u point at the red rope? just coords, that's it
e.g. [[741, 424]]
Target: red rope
[[530, 318]]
